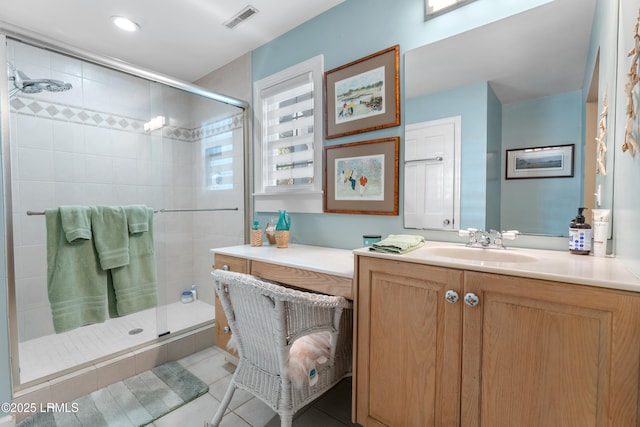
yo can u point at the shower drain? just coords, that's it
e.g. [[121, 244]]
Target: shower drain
[[135, 331]]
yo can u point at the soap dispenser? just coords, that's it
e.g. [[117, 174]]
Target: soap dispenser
[[579, 235], [256, 234]]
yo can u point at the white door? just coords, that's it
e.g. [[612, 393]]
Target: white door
[[432, 174]]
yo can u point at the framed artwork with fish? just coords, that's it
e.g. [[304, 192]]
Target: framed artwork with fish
[[362, 177], [363, 95]]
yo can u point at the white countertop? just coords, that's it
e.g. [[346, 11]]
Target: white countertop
[[337, 262], [549, 265]]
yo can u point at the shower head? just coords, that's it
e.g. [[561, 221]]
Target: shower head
[[22, 83]]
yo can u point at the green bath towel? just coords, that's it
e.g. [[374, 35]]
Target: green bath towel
[[77, 285], [110, 235], [76, 222], [137, 218], [398, 243], [134, 286]]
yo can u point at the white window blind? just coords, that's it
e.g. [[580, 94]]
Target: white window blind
[[288, 139], [288, 134]]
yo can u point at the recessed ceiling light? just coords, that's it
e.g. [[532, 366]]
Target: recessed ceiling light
[[125, 24]]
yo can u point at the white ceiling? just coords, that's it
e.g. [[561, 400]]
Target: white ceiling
[[536, 53], [185, 39]]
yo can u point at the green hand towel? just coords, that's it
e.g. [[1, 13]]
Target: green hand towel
[[398, 243], [137, 218], [110, 235], [77, 285], [76, 222], [134, 286]]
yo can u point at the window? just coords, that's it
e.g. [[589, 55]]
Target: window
[[434, 8], [218, 141], [219, 165], [288, 135]]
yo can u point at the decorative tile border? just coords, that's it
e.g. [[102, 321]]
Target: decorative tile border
[[48, 110]]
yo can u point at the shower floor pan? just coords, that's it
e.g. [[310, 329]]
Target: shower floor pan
[[44, 356]]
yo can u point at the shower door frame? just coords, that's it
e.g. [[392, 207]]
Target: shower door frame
[[9, 32]]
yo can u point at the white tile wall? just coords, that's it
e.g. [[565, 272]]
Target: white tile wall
[[86, 146]]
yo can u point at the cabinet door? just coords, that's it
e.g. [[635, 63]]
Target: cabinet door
[[539, 353], [408, 345], [223, 333]]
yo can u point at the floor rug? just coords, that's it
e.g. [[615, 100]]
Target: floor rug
[[136, 401]]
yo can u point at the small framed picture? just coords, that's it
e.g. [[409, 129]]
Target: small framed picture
[[540, 162], [363, 95], [362, 177]]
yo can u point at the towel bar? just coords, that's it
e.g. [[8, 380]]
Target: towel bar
[[161, 210]]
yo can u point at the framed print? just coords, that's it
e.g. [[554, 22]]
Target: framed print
[[362, 177], [363, 95], [540, 162]]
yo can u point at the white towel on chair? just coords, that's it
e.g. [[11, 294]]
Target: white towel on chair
[[305, 355]]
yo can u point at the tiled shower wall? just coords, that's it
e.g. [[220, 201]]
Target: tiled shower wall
[[87, 146]]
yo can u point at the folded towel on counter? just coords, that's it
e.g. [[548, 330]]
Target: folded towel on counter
[[77, 285], [398, 243], [134, 286], [110, 235], [76, 222], [137, 218]]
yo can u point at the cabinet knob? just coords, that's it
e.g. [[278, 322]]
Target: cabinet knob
[[451, 296], [446, 222], [225, 267], [471, 299], [226, 330]]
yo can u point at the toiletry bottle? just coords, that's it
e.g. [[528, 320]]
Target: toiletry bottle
[[194, 292], [256, 234], [579, 235], [600, 231]]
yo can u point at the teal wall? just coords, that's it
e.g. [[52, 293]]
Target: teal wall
[[552, 120], [357, 28], [494, 155]]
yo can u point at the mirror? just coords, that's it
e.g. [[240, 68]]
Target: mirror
[[517, 83]]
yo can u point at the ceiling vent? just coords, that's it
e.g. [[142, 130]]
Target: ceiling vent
[[243, 15]]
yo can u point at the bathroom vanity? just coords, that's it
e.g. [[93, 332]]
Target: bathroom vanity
[[495, 338], [310, 268]]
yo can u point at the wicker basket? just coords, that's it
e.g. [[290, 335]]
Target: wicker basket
[[282, 238], [256, 237], [270, 232]]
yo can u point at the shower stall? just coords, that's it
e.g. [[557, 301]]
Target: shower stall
[[86, 132]]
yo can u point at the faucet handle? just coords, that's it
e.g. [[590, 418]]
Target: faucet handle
[[510, 234], [467, 232]]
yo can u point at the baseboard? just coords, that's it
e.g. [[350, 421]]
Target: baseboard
[[8, 421]]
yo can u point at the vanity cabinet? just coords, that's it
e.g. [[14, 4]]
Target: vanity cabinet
[[530, 352]]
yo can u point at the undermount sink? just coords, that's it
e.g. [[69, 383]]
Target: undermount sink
[[480, 254]]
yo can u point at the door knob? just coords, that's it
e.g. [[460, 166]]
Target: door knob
[[451, 296], [471, 299]]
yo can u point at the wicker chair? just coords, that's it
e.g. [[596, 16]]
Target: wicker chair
[[266, 319]]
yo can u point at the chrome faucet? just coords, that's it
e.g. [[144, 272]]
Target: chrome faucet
[[487, 239]]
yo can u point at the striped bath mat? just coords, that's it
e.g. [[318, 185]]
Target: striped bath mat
[[136, 401]]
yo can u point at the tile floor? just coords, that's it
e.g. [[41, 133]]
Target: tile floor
[[333, 409]]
